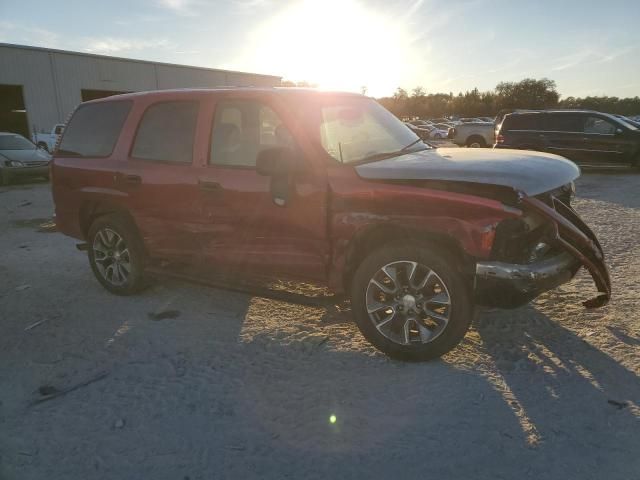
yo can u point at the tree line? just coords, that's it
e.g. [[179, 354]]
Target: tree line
[[527, 94]]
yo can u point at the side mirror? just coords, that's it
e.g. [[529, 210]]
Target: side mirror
[[279, 163], [276, 161]]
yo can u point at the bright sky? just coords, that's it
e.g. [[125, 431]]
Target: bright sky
[[590, 47]]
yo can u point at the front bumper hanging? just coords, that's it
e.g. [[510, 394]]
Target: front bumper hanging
[[580, 247]]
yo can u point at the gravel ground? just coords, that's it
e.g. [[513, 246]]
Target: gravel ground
[[229, 385]]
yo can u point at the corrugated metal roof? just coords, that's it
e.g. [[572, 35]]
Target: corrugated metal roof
[[124, 59]]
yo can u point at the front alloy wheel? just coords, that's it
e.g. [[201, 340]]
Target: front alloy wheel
[[412, 302], [408, 302]]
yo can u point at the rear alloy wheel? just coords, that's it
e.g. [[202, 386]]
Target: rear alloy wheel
[[116, 255], [476, 142], [411, 304]]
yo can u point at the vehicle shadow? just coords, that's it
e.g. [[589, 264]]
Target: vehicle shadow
[[550, 374], [240, 386]]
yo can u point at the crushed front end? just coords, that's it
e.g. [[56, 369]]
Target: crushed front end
[[538, 251]]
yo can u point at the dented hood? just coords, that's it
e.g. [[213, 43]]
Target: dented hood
[[529, 172]]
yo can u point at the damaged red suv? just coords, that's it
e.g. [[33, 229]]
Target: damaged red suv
[[327, 188]]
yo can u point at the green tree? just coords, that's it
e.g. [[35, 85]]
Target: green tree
[[527, 93]]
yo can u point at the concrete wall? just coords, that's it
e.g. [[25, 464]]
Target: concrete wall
[[52, 80]]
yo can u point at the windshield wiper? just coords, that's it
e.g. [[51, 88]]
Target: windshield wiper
[[410, 145], [384, 155]]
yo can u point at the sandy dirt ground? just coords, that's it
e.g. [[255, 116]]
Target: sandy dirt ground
[[236, 386]]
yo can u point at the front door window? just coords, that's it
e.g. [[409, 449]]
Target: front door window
[[599, 126], [241, 129]]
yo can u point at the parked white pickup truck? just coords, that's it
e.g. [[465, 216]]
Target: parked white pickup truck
[[473, 134], [47, 141]]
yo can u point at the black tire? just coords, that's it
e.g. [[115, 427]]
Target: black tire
[[461, 304], [532, 148], [135, 257], [476, 141]]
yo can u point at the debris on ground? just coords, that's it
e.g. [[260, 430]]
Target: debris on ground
[[618, 405], [46, 390], [161, 315], [49, 392], [34, 325], [48, 227]]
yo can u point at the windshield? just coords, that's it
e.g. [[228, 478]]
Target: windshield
[[15, 142], [627, 123], [354, 129]]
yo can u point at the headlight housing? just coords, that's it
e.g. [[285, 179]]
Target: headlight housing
[[570, 189], [13, 163]]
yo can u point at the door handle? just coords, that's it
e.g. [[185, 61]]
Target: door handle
[[133, 179], [127, 179], [209, 186]]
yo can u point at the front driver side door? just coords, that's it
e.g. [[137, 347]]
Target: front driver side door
[[245, 233], [605, 141]]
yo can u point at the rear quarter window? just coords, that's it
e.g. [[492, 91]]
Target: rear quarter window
[[521, 122], [94, 129]]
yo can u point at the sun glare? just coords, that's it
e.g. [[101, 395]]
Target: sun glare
[[334, 44]]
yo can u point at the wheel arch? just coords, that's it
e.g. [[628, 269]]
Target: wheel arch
[[476, 137], [93, 209], [374, 237]]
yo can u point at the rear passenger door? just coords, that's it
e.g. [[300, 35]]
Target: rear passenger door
[[158, 177], [563, 134]]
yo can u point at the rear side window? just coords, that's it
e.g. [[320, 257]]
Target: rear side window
[[564, 122], [518, 121], [94, 129], [166, 132]]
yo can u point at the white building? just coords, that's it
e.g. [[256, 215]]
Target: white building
[[40, 87]]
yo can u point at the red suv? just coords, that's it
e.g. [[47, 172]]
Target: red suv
[[328, 188]]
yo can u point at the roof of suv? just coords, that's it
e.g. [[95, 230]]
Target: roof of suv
[[191, 91], [560, 111]]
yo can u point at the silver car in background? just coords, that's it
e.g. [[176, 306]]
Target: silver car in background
[[20, 158]]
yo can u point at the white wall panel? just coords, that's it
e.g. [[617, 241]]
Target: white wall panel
[[52, 80]]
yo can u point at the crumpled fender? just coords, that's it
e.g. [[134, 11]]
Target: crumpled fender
[[575, 237]]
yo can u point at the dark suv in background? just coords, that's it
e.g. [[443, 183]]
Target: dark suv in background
[[583, 136]]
